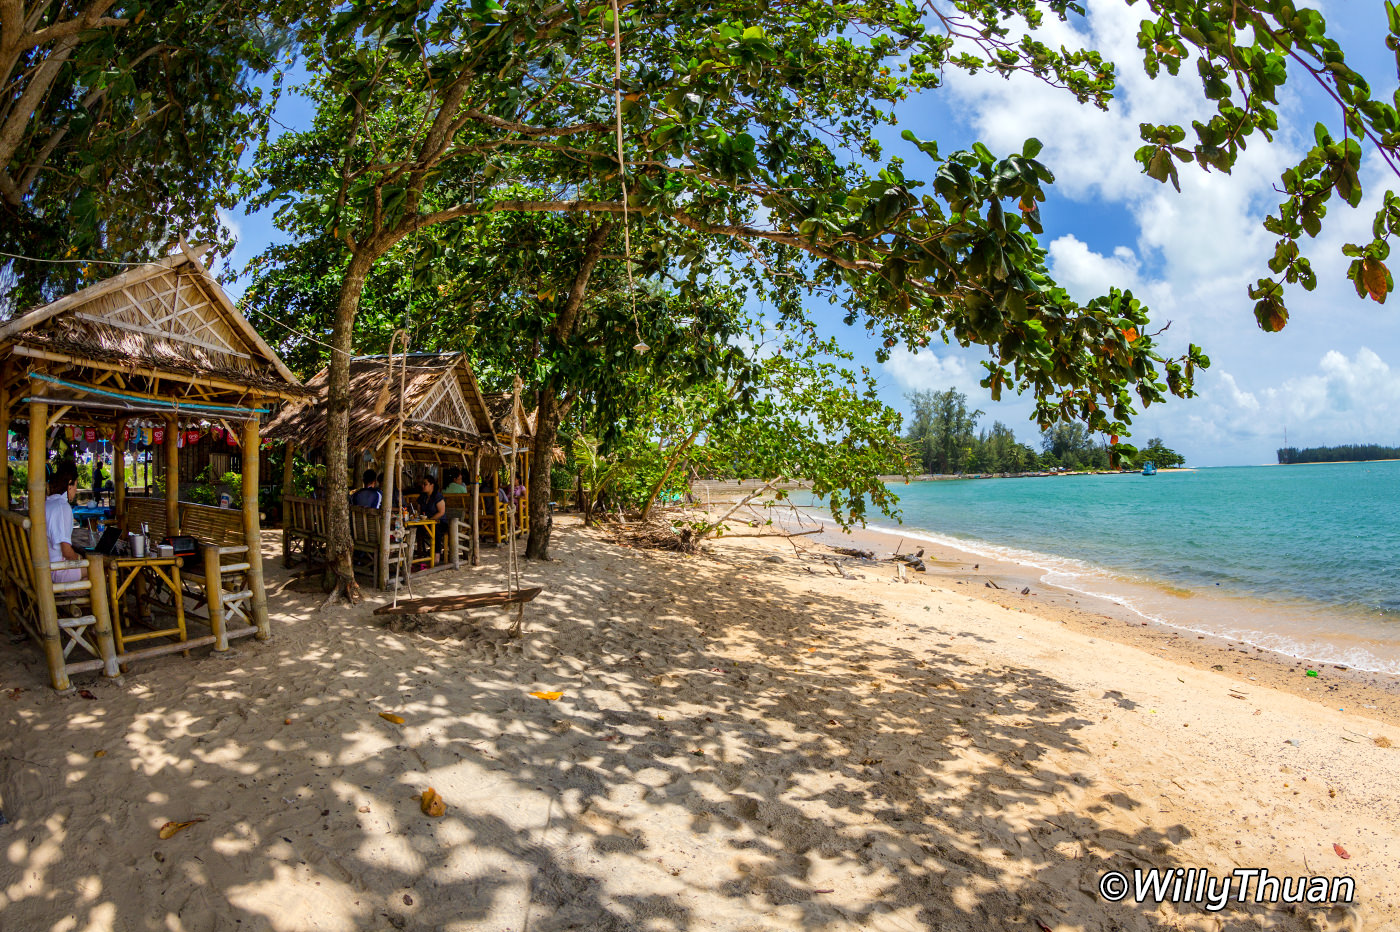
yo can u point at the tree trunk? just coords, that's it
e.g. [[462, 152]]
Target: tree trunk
[[339, 544], [674, 460], [546, 433], [550, 408]]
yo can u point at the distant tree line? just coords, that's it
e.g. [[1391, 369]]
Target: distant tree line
[[945, 440], [1343, 453]]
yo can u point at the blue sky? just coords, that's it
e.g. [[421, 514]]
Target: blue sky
[[1332, 376]]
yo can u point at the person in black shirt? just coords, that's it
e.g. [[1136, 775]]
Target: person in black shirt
[[432, 505], [368, 495]]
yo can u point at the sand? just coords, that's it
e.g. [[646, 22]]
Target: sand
[[740, 744]]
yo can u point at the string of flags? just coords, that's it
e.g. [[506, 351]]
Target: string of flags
[[154, 435]]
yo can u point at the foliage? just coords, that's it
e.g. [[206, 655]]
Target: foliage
[[207, 487], [1157, 453], [121, 127], [1349, 452]]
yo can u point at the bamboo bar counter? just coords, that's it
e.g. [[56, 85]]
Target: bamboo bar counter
[[158, 348]]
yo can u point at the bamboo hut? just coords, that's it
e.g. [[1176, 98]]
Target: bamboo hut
[[162, 345], [446, 421], [514, 431]]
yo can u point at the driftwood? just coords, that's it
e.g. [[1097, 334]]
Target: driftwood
[[658, 534], [456, 603], [853, 552]]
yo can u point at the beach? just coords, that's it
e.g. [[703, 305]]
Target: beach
[[762, 736]]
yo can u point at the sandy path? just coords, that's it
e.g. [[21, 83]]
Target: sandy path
[[740, 745]]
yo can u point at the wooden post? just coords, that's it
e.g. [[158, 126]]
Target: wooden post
[[454, 549], [386, 510], [102, 613], [476, 508], [119, 479], [39, 546], [288, 450], [252, 529], [172, 477], [5, 431], [214, 588]]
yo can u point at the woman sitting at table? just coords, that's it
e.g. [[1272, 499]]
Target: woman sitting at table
[[454, 482], [431, 505]]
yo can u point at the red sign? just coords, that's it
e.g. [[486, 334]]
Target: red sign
[[192, 436], [159, 435], [90, 434]]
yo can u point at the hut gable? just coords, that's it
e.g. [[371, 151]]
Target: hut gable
[[508, 418], [169, 315], [439, 394]]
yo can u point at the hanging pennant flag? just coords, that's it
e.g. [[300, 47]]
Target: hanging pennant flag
[[217, 432], [126, 433], [232, 439], [158, 435], [90, 434], [192, 436]]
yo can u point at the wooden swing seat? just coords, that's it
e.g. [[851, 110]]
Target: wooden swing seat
[[456, 603]]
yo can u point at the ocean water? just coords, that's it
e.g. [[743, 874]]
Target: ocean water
[[1300, 559]]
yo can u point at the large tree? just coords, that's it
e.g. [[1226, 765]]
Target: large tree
[[122, 123], [749, 128]]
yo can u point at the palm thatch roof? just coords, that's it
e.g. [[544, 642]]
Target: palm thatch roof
[[166, 320], [444, 411], [508, 417]]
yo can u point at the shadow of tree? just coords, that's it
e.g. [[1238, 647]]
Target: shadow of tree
[[727, 755]]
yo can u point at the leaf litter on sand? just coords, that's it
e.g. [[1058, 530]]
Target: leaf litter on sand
[[171, 829], [391, 717], [431, 803], [549, 696]]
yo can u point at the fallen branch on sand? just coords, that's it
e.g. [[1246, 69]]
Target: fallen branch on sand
[[853, 552]]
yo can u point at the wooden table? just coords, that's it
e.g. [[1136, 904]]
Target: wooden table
[[430, 524], [121, 573]]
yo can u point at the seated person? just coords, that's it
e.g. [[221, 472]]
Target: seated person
[[368, 495], [58, 520], [454, 483], [432, 505]]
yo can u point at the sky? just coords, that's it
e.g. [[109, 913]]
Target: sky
[[1331, 376]]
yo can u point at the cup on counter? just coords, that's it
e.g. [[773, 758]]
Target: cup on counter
[[167, 550], [138, 545]]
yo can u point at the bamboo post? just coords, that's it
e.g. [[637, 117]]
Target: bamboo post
[[454, 549], [5, 431], [288, 451], [119, 479], [172, 477], [386, 511], [214, 596], [102, 615], [476, 508], [39, 547], [252, 529]]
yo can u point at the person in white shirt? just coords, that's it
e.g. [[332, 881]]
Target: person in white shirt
[[58, 519]]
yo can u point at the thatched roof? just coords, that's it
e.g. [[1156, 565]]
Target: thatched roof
[[442, 403], [165, 318], [508, 417]]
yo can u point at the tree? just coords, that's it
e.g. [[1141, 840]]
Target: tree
[[736, 118], [942, 430], [121, 126], [1157, 453]]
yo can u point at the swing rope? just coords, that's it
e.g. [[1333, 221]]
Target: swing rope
[[641, 346]]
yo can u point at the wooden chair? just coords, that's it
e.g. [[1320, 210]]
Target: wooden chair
[[303, 527], [220, 579]]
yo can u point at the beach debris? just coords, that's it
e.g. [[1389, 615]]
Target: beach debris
[[99, 753], [1026, 591], [14, 693], [1294, 741], [853, 552], [86, 694], [1341, 852], [391, 717], [549, 696], [431, 803], [1310, 673], [774, 558], [171, 829], [992, 585], [1381, 741]]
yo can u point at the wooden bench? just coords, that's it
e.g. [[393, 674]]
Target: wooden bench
[[220, 578], [147, 511], [84, 618], [304, 523], [366, 531]]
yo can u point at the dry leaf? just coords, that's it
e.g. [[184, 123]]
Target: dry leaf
[[1341, 852], [550, 696], [1375, 278], [1382, 741], [99, 753], [86, 694], [391, 717], [431, 803], [169, 829], [363, 809]]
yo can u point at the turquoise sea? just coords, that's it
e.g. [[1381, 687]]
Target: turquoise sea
[[1302, 559]]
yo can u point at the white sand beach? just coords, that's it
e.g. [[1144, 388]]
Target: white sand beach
[[741, 743]]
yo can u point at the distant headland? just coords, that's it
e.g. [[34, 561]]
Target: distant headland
[[1347, 453]]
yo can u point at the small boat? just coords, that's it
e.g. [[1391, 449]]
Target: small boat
[[1149, 468]]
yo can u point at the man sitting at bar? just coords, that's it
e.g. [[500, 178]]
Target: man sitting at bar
[[368, 495], [58, 519]]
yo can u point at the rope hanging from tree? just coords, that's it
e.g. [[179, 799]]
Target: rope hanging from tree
[[641, 346]]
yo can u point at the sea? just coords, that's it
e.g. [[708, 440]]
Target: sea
[[1303, 560]]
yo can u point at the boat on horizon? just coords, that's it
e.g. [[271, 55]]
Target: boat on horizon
[[1149, 468]]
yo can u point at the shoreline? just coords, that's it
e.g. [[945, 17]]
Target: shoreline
[[1367, 691]]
